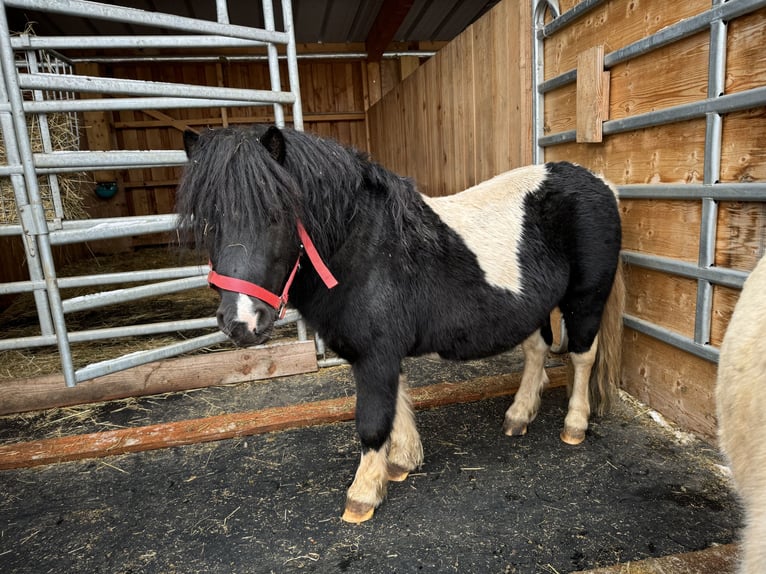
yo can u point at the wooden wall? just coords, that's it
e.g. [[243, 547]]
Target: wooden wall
[[677, 384], [465, 115]]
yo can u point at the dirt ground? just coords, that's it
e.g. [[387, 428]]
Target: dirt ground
[[482, 502]]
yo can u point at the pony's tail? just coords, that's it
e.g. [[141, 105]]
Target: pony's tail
[[605, 376]]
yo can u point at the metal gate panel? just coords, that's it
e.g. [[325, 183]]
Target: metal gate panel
[[54, 91]]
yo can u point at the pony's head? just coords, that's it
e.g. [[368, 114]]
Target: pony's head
[[237, 202]]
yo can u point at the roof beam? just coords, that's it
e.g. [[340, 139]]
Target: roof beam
[[390, 17]]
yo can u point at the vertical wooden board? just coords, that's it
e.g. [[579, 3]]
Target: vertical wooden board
[[663, 299], [745, 54], [672, 153], [492, 87], [614, 24], [652, 82], [661, 227], [724, 300], [592, 95], [679, 385], [740, 235], [743, 146]]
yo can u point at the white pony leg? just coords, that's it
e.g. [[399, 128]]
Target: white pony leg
[[369, 487], [527, 400], [753, 548], [576, 421], [406, 451]]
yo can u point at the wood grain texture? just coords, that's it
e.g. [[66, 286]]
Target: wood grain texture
[[243, 424], [592, 95], [179, 374]]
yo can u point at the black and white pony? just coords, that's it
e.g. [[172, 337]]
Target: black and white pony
[[389, 273], [741, 406]]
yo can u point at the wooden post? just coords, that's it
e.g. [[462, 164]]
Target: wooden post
[[592, 95]]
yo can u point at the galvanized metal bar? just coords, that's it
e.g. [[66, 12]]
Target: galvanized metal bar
[[273, 59], [568, 17], [94, 84], [732, 278], [62, 161], [292, 65], [135, 16], [222, 11], [539, 8], [718, 191], [142, 357], [671, 338], [95, 300], [76, 282], [35, 226], [127, 103], [87, 336], [25, 41], [711, 175], [728, 103]]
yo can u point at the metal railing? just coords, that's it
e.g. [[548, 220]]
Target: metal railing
[[712, 108], [23, 166]]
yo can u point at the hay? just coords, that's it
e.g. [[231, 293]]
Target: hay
[[20, 318], [65, 136]]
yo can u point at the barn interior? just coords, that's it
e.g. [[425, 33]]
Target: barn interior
[[118, 395]]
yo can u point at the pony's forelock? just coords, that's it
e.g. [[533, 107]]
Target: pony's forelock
[[232, 180]]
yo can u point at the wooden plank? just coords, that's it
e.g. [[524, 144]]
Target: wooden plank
[[179, 374], [672, 153], [666, 228], [663, 299], [743, 153], [678, 385], [745, 56], [614, 24], [592, 94], [740, 234], [724, 300], [720, 559], [391, 15], [227, 426]]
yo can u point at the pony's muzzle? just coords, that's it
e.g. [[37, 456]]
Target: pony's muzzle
[[245, 320]]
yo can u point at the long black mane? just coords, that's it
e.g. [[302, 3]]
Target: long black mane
[[233, 180]]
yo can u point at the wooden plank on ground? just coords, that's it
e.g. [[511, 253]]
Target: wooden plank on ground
[[718, 559], [94, 445], [180, 374]]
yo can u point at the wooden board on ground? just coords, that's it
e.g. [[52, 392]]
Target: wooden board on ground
[[180, 374]]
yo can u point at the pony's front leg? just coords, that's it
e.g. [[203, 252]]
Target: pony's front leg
[[376, 397], [578, 411], [527, 400]]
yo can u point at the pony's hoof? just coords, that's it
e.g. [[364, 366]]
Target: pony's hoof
[[572, 436], [357, 512], [511, 428], [397, 473]]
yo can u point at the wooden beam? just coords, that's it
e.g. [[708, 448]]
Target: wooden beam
[[180, 374], [592, 95], [391, 15], [208, 429]]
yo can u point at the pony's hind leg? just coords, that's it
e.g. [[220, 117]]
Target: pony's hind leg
[[405, 452], [376, 398], [527, 400], [578, 411]]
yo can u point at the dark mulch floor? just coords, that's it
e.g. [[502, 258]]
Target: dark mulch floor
[[482, 502]]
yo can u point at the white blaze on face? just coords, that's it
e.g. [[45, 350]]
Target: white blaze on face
[[489, 218], [246, 312]]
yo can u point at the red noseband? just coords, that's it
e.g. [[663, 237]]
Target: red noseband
[[278, 302]]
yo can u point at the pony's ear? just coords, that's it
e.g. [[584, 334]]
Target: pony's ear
[[190, 141], [274, 142]]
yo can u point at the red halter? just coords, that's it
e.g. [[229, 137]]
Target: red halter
[[278, 302]]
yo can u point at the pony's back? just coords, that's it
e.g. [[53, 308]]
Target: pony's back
[[741, 403]]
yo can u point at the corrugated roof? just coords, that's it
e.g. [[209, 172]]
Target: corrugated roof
[[316, 21]]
